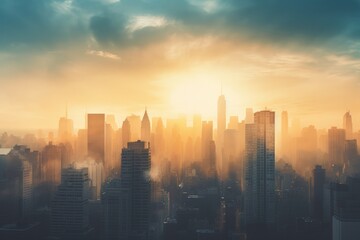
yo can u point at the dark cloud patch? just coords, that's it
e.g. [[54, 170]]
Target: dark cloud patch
[[36, 24], [330, 24], [319, 23], [306, 20], [108, 30]]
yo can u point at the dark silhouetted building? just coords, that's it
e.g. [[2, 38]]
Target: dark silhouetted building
[[70, 206], [260, 171], [135, 179], [115, 206], [318, 183]]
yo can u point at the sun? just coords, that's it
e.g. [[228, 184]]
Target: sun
[[197, 95]]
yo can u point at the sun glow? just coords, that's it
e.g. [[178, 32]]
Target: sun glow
[[196, 96]]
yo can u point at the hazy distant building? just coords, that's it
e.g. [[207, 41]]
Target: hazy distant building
[[159, 142], [110, 119], [135, 177], [249, 117], [351, 157], [348, 126], [81, 144], [135, 127], [233, 123], [145, 128], [70, 206], [96, 137], [67, 154], [221, 126], [336, 146], [110, 160], [207, 147], [66, 130], [231, 152], [51, 164], [260, 170], [197, 126], [284, 132], [126, 132], [306, 154]]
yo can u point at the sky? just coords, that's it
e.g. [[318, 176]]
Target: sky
[[177, 56]]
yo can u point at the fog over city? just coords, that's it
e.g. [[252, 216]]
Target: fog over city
[[179, 119]]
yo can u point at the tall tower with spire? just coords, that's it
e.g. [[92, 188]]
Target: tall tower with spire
[[347, 125], [221, 125], [145, 128], [126, 133]]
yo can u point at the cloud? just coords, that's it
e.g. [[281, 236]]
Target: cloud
[[38, 24], [104, 54], [121, 24], [315, 21]]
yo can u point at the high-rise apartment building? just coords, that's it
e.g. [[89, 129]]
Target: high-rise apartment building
[[135, 180], [115, 205], [70, 206], [260, 170]]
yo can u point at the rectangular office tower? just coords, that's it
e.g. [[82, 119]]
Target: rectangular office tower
[[70, 206], [96, 137], [260, 170], [115, 205], [135, 180]]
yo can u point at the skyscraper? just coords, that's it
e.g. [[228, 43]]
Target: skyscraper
[[145, 128], [221, 126], [318, 183], [51, 164], [96, 137], [70, 206], [16, 184], [336, 145], [284, 132], [347, 125], [126, 132], [81, 144], [135, 177], [207, 147], [260, 170], [65, 130], [115, 203]]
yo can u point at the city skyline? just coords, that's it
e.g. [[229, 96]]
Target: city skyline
[[179, 119], [89, 55]]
